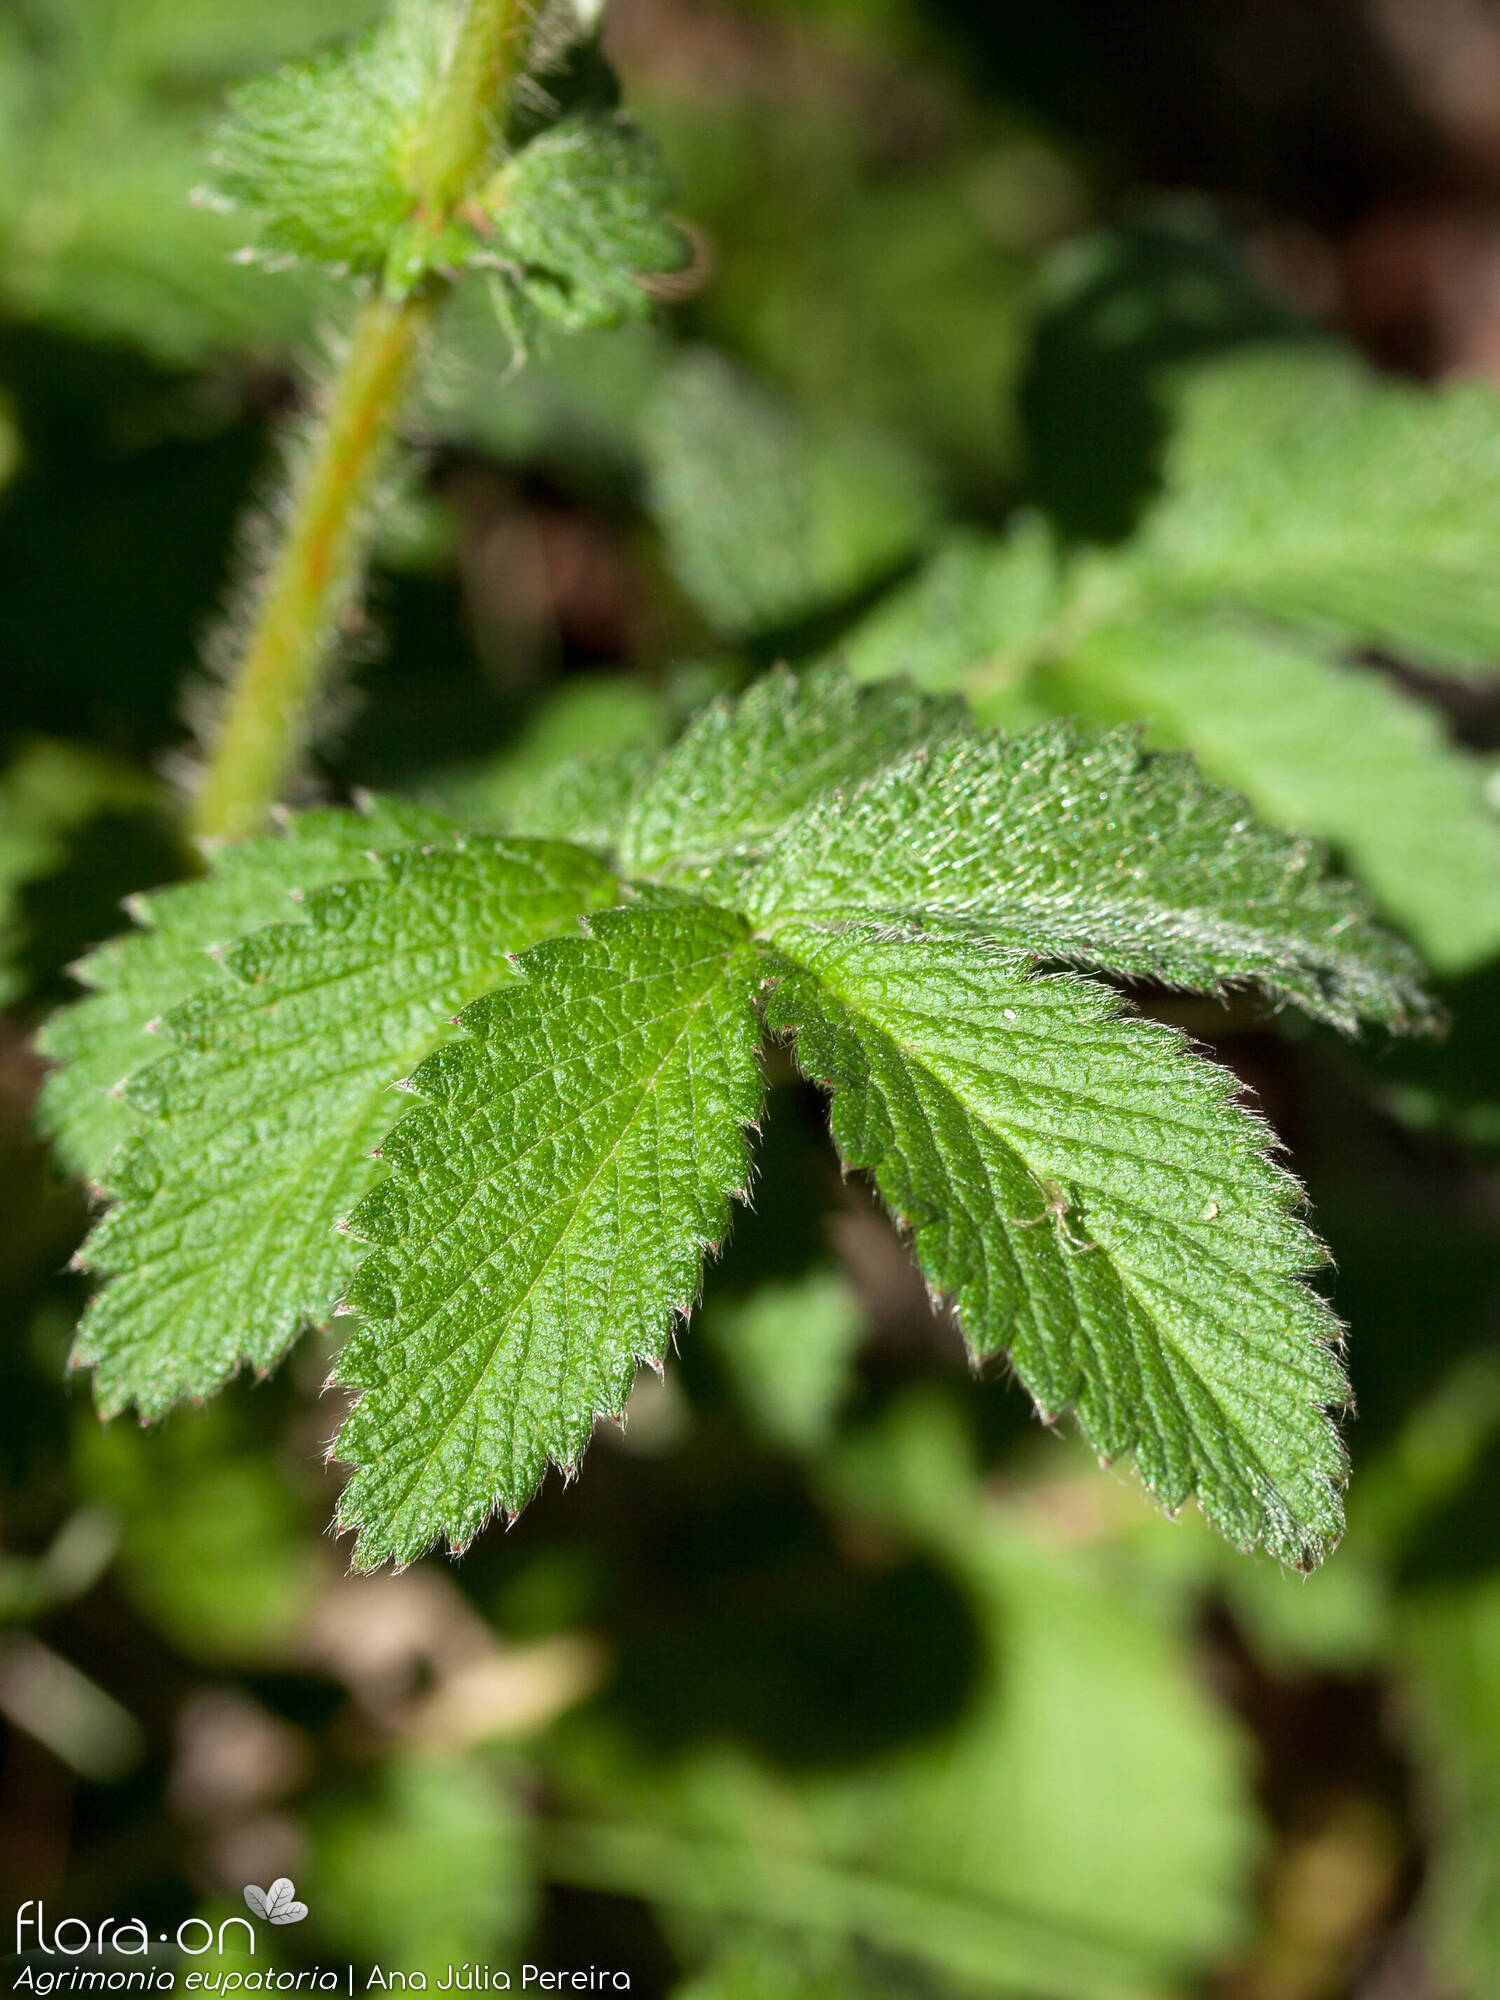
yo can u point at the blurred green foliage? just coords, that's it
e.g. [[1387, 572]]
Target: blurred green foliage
[[769, 516], [790, 1351], [429, 1872], [827, 1677]]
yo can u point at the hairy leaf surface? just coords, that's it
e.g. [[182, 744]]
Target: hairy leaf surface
[[1098, 1207], [1091, 850], [317, 153], [546, 1218], [262, 1117], [580, 217], [101, 1039], [738, 776], [1333, 750], [547, 1209]]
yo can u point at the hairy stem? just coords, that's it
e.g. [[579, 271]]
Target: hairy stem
[[315, 575], [318, 567], [461, 122]]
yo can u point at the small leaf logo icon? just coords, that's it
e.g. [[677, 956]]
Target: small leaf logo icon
[[278, 1904]]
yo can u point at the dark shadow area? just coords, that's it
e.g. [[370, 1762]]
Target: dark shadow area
[[1160, 289]]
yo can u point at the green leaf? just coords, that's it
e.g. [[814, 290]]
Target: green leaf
[[218, 1549], [1332, 750], [549, 1206], [572, 774], [586, 797], [101, 1039], [48, 792], [1300, 484], [975, 1858], [972, 618], [739, 774], [580, 218], [769, 1968], [317, 153], [1453, 1647], [789, 1349], [320, 155], [1099, 1208], [263, 1115], [546, 1218], [431, 1874], [1088, 1694], [102, 112], [770, 516], [1090, 850]]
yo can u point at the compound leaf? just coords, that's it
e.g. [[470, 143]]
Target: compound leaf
[[99, 1040], [262, 1118], [1271, 716], [740, 773], [1099, 1208], [547, 1209], [546, 1218], [1091, 850]]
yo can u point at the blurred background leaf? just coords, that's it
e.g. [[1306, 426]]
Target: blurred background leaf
[[430, 1872]]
